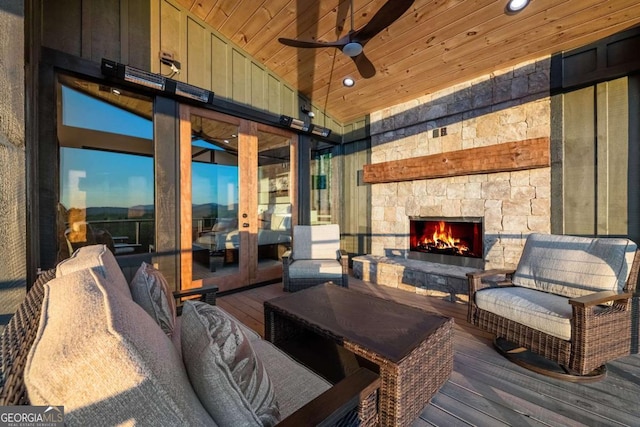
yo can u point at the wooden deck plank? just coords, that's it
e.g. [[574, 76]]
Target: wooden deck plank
[[461, 401], [485, 388], [617, 391], [536, 389]]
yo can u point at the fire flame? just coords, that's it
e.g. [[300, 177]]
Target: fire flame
[[442, 238]]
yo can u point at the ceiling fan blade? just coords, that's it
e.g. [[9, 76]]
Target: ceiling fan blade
[[364, 65], [392, 10], [308, 44]]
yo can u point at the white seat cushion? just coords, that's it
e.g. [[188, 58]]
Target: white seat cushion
[[543, 311], [99, 257], [574, 266], [104, 358], [317, 268]]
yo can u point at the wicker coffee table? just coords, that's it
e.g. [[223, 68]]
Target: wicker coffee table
[[412, 348]]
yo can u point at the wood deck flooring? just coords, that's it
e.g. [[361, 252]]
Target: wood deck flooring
[[485, 389]]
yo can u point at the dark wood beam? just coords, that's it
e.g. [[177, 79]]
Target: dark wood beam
[[510, 156]]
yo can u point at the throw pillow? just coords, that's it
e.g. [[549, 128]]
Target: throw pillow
[[151, 291], [230, 380]]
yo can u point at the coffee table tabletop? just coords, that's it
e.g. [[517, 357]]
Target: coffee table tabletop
[[412, 347]]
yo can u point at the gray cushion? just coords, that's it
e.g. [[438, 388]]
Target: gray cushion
[[100, 258], [249, 333], [317, 268], [295, 385], [574, 266], [229, 379], [542, 311], [316, 241], [151, 291], [102, 357]]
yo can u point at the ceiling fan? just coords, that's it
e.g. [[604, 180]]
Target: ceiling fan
[[353, 42]]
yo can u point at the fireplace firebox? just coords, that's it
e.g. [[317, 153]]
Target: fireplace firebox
[[456, 241]]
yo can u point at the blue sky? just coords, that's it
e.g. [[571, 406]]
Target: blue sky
[[92, 178]]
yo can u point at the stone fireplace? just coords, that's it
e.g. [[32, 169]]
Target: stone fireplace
[[455, 241], [485, 166]]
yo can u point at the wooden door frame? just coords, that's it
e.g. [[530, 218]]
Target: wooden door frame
[[248, 203]]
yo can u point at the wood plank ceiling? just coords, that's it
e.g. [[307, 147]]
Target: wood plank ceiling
[[435, 44]]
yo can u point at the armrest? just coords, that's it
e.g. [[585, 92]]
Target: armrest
[[599, 298], [492, 272], [332, 405], [344, 261], [207, 294], [476, 283]]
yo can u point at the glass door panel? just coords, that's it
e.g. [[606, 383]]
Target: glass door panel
[[236, 198], [274, 199], [215, 182]]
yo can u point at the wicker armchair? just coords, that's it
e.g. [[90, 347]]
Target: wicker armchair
[[601, 316], [315, 258]]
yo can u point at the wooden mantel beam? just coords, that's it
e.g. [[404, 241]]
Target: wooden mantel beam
[[509, 156]]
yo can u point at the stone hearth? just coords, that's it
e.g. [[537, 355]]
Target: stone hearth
[[423, 278]]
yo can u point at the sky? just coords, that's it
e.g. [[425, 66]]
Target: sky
[[92, 178]]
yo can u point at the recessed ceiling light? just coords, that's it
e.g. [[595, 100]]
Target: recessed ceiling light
[[348, 82], [515, 6]]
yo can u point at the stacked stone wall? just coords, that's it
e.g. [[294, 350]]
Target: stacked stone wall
[[506, 106]]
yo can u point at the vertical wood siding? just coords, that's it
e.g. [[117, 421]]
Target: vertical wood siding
[[134, 32]]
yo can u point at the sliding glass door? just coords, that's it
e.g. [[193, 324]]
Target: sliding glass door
[[235, 200]]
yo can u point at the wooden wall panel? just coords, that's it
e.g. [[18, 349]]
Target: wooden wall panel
[[62, 26], [232, 74], [103, 32], [198, 67], [579, 156], [258, 86], [220, 67], [239, 77], [113, 29], [356, 216], [170, 35], [274, 93], [136, 35]]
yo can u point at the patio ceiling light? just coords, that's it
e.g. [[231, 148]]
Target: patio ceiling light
[[515, 6], [348, 82]]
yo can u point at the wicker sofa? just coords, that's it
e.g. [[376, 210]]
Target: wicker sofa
[[571, 300], [79, 340]]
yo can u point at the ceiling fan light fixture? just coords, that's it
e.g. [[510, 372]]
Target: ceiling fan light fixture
[[348, 82], [515, 6], [352, 49]]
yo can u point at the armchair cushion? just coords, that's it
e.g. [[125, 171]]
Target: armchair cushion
[[316, 241], [317, 268], [100, 258], [542, 311], [98, 353], [151, 291], [229, 379], [574, 266]]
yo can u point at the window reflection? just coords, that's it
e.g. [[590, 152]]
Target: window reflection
[[106, 169]]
